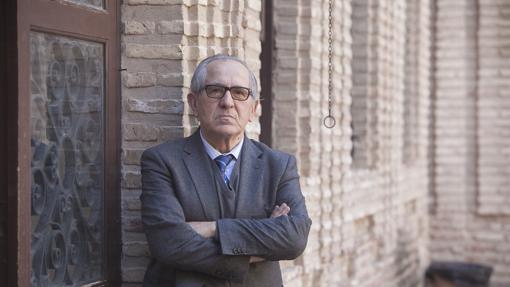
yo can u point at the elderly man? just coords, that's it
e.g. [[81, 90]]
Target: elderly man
[[218, 208]]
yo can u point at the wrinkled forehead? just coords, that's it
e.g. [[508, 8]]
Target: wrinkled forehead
[[228, 68]]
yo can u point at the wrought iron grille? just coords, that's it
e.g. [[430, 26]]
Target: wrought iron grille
[[67, 92]]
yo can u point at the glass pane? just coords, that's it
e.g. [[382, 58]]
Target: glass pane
[[67, 92], [98, 4]]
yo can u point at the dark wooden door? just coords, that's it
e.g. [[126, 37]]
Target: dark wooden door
[[63, 127], [3, 142]]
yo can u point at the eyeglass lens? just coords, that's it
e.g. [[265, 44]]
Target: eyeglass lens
[[217, 92]]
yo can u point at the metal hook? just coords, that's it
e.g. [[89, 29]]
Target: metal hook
[[329, 121]]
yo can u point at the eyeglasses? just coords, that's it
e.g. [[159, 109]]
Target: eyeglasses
[[218, 92]]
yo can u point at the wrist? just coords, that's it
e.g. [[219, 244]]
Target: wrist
[[212, 229]]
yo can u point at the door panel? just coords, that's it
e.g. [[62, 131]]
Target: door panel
[[65, 199]]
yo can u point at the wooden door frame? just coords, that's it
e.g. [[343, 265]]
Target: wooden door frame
[[10, 144], [69, 20], [7, 75]]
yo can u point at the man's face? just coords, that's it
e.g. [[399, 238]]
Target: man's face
[[224, 118]]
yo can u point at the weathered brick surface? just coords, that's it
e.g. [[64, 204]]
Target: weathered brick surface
[[370, 220], [471, 109], [493, 107], [139, 28], [153, 51]]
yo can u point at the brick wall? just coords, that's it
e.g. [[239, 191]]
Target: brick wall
[[493, 108], [370, 220], [386, 195], [470, 219], [371, 223], [162, 41], [300, 102]]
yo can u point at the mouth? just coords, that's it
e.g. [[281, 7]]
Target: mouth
[[226, 119]]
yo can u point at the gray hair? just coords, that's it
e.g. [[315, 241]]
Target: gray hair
[[200, 74]]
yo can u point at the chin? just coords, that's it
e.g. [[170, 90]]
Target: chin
[[228, 131]]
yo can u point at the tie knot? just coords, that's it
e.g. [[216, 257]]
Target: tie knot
[[223, 160]]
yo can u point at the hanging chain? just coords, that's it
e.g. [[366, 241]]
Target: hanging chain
[[329, 120]]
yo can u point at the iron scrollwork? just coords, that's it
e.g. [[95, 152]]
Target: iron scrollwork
[[67, 161]]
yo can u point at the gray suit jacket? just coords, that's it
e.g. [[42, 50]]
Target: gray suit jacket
[[177, 187]]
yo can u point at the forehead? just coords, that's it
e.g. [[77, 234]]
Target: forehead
[[227, 70]]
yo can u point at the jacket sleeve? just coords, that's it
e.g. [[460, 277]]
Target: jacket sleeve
[[171, 240], [280, 238]]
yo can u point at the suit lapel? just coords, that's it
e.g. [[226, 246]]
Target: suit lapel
[[197, 163], [250, 174]]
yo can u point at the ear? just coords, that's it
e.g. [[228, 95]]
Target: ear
[[192, 102], [253, 112]]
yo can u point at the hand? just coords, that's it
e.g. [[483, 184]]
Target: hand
[[283, 209], [205, 228]]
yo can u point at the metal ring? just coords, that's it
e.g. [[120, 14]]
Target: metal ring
[[329, 121]]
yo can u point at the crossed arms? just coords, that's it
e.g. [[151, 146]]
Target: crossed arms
[[225, 247], [208, 228]]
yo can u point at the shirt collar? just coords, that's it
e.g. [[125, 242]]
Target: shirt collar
[[214, 153]]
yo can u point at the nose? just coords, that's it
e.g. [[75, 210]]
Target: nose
[[227, 101]]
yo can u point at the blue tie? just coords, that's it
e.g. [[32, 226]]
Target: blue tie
[[222, 161]]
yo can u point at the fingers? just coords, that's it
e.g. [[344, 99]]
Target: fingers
[[285, 209], [280, 210]]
